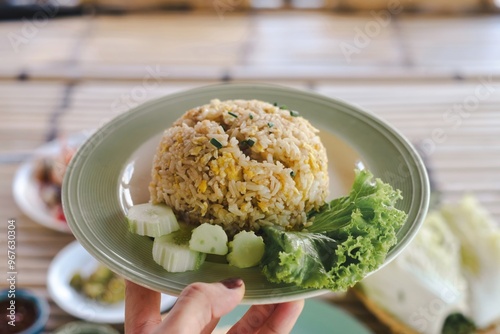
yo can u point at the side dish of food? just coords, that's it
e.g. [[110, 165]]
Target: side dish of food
[[101, 285], [88, 290], [38, 182], [49, 171], [247, 181]]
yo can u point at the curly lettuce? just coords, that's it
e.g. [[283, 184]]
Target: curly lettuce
[[349, 237]]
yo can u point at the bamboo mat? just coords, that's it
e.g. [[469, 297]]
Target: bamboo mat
[[76, 74], [272, 45]]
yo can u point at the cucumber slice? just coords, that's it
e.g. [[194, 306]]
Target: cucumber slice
[[246, 250], [210, 239], [153, 220], [172, 252]]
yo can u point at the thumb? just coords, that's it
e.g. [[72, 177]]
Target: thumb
[[200, 306]]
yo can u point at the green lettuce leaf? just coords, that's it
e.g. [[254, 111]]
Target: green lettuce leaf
[[349, 238], [298, 257]]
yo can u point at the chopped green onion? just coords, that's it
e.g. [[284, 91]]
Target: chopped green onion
[[283, 107], [246, 144], [292, 173], [294, 113], [216, 143], [251, 116], [232, 114], [270, 124]]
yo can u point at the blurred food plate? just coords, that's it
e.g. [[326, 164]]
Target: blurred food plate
[[74, 259], [82, 327], [317, 317], [32, 195]]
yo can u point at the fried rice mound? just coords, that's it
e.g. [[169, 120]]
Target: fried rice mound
[[241, 164]]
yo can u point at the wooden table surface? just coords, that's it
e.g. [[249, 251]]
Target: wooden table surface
[[435, 79]]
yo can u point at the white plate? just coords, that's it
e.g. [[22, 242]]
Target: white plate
[[74, 258], [26, 188]]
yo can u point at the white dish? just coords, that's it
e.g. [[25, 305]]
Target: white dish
[[26, 188], [74, 258]]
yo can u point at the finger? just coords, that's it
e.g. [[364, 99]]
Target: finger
[[283, 318], [200, 306], [142, 309], [253, 319], [273, 318]]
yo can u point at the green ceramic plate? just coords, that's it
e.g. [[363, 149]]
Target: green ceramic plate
[[110, 172]]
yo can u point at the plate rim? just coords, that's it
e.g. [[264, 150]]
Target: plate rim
[[132, 114]]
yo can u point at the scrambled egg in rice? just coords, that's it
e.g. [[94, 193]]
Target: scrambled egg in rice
[[241, 164]]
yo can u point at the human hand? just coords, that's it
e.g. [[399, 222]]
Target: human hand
[[199, 308]]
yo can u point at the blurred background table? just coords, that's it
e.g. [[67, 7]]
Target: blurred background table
[[433, 77]]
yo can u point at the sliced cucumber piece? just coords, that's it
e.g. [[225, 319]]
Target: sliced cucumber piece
[[210, 239], [153, 220], [172, 252], [246, 250]]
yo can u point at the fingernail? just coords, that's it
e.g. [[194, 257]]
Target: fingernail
[[232, 283]]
